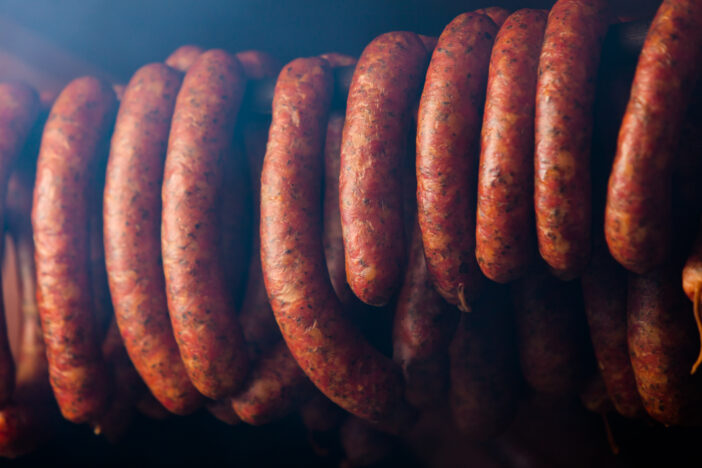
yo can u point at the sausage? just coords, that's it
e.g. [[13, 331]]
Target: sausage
[[72, 142], [332, 236], [310, 316], [132, 213], [565, 94], [385, 83], [549, 333], [638, 213], [429, 42], [275, 387], [662, 344], [19, 107], [604, 292], [422, 329], [497, 14], [485, 383], [504, 233], [448, 132], [202, 314], [184, 56]]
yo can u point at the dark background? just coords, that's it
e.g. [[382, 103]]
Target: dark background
[[120, 36]]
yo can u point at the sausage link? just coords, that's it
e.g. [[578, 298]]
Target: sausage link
[[485, 382], [565, 94], [448, 134], [332, 235], [504, 233], [638, 214], [200, 305], [78, 124], [662, 344], [498, 15], [132, 207], [326, 346], [19, 107], [423, 326], [604, 292], [275, 387], [383, 89], [549, 333], [184, 56]]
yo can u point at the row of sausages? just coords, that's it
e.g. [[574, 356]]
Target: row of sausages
[[166, 181]]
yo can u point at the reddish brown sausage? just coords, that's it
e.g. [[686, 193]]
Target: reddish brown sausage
[[332, 235], [497, 14], [132, 207], [448, 134], [71, 145], [549, 333], [604, 292], [485, 383], [423, 326], [565, 93], [184, 56], [199, 301], [662, 344], [595, 397], [326, 346], [275, 387], [638, 214], [19, 107], [504, 233], [383, 89]]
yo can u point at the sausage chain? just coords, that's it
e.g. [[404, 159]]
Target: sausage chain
[[335, 227]]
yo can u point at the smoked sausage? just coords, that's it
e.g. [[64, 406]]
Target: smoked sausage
[[565, 93], [638, 214], [132, 214], [199, 301], [72, 142], [385, 84], [504, 233], [448, 135], [326, 346]]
